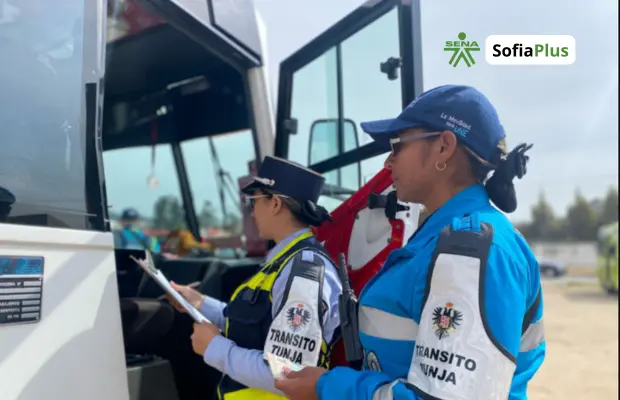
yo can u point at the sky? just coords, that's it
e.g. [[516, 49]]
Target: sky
[[570, 113]]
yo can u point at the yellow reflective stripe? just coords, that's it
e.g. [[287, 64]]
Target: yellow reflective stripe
[[252, 394], [272, 277], [274, 259], [258, 279]]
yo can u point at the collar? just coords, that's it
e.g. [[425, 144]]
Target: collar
[[277, 248], [465, 202]]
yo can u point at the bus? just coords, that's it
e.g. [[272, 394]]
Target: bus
[[164, 106], [607, 268]]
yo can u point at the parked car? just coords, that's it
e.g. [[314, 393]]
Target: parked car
[[550, 268]]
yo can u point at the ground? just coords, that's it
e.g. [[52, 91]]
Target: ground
[[581, 324]]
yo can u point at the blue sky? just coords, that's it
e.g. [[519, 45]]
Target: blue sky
[[568, 112]]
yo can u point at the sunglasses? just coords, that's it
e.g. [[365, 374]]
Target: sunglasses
[[397, 144], [250, 200]]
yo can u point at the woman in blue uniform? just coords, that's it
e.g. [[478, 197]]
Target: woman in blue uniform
[[290, 307], [456, 314]]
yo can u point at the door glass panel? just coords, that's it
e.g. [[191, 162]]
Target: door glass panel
[[314, 97], [368, 94], [214, 166], [324, 145], [149, 185]]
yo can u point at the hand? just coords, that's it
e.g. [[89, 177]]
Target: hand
[[193, 296], [202, 336], [301, 385]]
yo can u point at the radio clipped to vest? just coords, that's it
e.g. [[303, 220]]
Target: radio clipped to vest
[[349, 327]]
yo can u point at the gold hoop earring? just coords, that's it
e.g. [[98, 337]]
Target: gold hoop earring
[[442, 168]]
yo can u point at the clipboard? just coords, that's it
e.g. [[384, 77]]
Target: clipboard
[[149, 267]]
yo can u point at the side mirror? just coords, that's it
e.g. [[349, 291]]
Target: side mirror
[[324, 144]]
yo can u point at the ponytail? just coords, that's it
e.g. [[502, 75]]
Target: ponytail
[[306, 212], [500, 188]]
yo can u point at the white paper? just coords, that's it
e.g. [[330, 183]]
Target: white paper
[[279, 366], [149, 267]]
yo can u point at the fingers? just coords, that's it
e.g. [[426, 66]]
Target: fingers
[[285, 385], [178, 288], [293, 374]]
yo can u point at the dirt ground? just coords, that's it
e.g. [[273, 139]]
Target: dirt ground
[[581, 324]]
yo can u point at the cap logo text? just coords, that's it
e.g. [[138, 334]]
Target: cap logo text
[[458, 126]]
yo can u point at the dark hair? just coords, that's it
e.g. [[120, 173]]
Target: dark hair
[[505, 167], [306, 212]]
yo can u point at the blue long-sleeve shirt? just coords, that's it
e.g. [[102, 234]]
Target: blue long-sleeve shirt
[[247, 366], [133, 238], [461, 338]]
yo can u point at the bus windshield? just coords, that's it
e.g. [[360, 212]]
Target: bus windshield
[[42, 141]]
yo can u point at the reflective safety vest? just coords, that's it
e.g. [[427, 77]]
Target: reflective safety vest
[[249, 313]]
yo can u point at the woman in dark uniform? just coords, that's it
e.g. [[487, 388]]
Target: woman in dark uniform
[[290, 307]]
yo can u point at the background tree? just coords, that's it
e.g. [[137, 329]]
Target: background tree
[[208, 216], [581, 220], [168, 213], [609, 208]]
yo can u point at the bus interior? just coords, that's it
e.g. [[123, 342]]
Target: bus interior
[[166, 92], [176, 101]]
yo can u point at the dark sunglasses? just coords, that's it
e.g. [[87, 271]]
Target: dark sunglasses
[[397, 144]]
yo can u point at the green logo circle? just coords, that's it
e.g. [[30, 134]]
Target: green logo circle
[[462, 36]]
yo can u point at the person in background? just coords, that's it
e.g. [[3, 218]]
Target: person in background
[[456, 314], [290, 307], [131, 236], [181, 242]]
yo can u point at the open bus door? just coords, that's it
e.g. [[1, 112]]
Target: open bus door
[[185, 101], [367, 66]]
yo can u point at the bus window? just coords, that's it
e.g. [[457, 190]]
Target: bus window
[[324, 145], [42, 138], [314, 97], [367, 92], [214, 165], [370, 90], [133, 180]]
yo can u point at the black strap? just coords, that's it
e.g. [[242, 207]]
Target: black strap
[[307, 244], [531, 312], [313, 270]]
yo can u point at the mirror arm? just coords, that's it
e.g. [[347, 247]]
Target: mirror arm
[[388, 202]]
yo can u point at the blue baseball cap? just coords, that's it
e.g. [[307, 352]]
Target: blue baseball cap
[[130, 214], [456, 108]]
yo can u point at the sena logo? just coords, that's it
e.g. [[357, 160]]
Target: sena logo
[[297, 317], [446, 320]]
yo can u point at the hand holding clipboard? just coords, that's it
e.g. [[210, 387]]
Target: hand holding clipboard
[[149, 267]]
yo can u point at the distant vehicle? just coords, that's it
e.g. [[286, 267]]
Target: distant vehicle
[[607, 268], [549, 268]]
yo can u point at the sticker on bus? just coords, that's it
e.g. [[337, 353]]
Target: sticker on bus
[[21, 289]]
